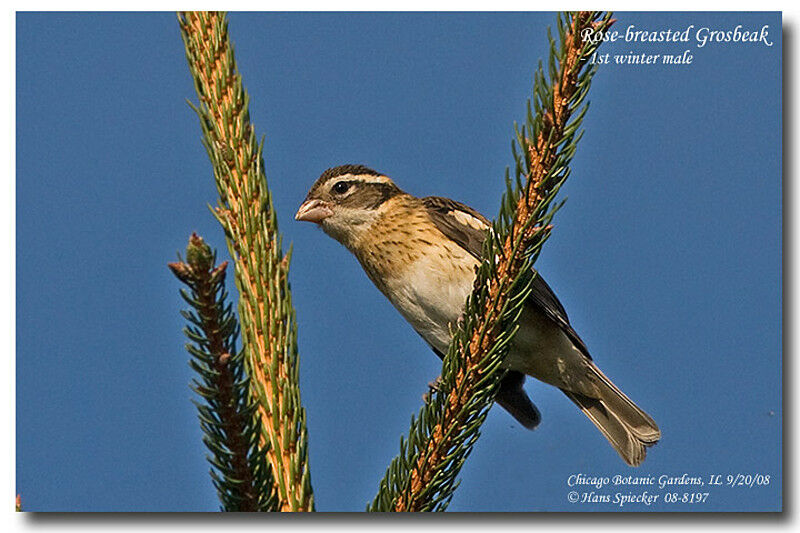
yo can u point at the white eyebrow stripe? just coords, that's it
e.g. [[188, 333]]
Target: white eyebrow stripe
[[362, 178], [468, 220]]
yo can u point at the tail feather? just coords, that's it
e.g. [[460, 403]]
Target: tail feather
[[629, 429]]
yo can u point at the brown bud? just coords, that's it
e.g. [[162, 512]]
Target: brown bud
[[199, 254], [182, 271]]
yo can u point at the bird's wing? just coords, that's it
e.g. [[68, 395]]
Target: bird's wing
[[513, 398], [459, 223], [467, 228]]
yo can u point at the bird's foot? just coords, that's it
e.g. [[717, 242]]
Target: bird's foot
[[433, 386]]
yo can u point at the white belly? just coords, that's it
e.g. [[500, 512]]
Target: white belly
[[431, 294], [540, 349]]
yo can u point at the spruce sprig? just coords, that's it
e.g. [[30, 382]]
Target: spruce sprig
[[231, 433], [245, 211], [423, 477]]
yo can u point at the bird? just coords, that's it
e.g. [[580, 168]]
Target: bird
[[422, 254]]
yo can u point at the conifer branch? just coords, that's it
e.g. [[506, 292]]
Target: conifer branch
[[239, 471], [424, 476], [246, 213]]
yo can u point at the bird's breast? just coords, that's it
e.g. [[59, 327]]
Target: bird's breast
[[426, 278]]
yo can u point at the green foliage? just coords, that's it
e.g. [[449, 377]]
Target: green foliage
[[246, 213], [263, 379], [423, 477], [231, 433]]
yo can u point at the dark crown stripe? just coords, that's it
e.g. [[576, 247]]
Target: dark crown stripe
[[341, 170]]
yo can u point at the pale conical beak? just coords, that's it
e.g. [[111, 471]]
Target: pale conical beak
[[314, 211]]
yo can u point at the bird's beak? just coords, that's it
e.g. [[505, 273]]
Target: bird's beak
[[314, 211]]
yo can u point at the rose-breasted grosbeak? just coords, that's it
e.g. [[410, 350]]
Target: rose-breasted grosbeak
[[422, 253]]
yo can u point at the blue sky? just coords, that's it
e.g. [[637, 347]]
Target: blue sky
[[667, 255]]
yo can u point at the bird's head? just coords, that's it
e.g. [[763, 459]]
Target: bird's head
[[346, 200]]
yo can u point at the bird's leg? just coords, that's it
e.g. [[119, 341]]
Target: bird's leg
[[433, 386]]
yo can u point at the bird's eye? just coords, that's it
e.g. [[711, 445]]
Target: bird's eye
[[341, 187]]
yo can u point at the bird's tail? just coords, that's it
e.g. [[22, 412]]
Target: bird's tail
[[629, 429]]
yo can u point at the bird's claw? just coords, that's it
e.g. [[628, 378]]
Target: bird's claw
[[433, 386]]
